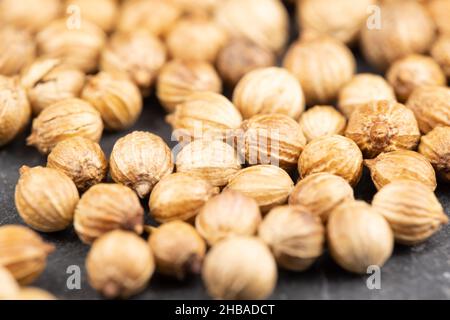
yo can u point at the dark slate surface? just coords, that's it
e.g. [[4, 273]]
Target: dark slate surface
[[420, 272]]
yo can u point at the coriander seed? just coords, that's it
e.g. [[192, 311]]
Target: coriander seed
[[103, 13], [321, 121], [17, 50], [9, 286], [435, 146], [441, 53]]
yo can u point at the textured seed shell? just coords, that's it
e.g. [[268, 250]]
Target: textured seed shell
[[17, 50], [435, 146], [274, 139], [321, 121], [45, 198], [320, 193], [178, 249], [155, 16], [81, 159], [9, 286], [239, 57], [214, 161], [295, 236], [412, 210], [268, 185], [359, 237], [119, 264], [63, 120], [400, 165], [196, 39], [180, 196], [333, 154], [269, 90], [340, 19], [441, 53], [322, 65], [15, 111], [116, 98], [228, 214], [404, 27], [107, 207], [431, 106], [77, 46], [178, 79], [240, 268], [383, 126], [137, 53], [23, 253], [414, 71], [205, 115], [264, 22], [48, 81], [362, 89], [139, 160]]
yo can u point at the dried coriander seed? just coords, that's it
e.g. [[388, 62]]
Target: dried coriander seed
[[106, 207], [103, 13], [81, 159], [45, 198], [321, 121], [441, 53], [17, 50], [139, 160], [435, 146]]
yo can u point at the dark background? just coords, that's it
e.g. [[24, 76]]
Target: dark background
[[419, 272]]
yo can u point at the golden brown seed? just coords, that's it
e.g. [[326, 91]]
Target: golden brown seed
[[214, 161], [239, 57], [431, 106], [322, 65], [103, 13], [414, 71], [155, 16], [204, 115], [180, 196], [267, 91], [439, 10], [17, 49], [340, 19], [45, 198], [179, 79], [81, 160], [320, 193], [178, 249], [62, 120], [264, 22], [23, 253], [295, 236], [139, 160], [273, 139], [107, 207], [116, 98], [362, 89], [400, 165], [333, 154], [435, 146], [412, 210], [321, 121], [31, 293], [359, 237], [240, 268], [30, 15], [269, 185], [119, 264], [226, 215], [196, 7], [138, 53], [9, 286], [405, 27], [196, 39], [48, 81], [441, 53], [79, 46], [15, 111], [383, 126]]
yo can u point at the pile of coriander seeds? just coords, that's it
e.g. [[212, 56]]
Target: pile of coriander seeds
[[260, 180]]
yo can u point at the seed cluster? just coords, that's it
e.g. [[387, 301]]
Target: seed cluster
[[225, 204]]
